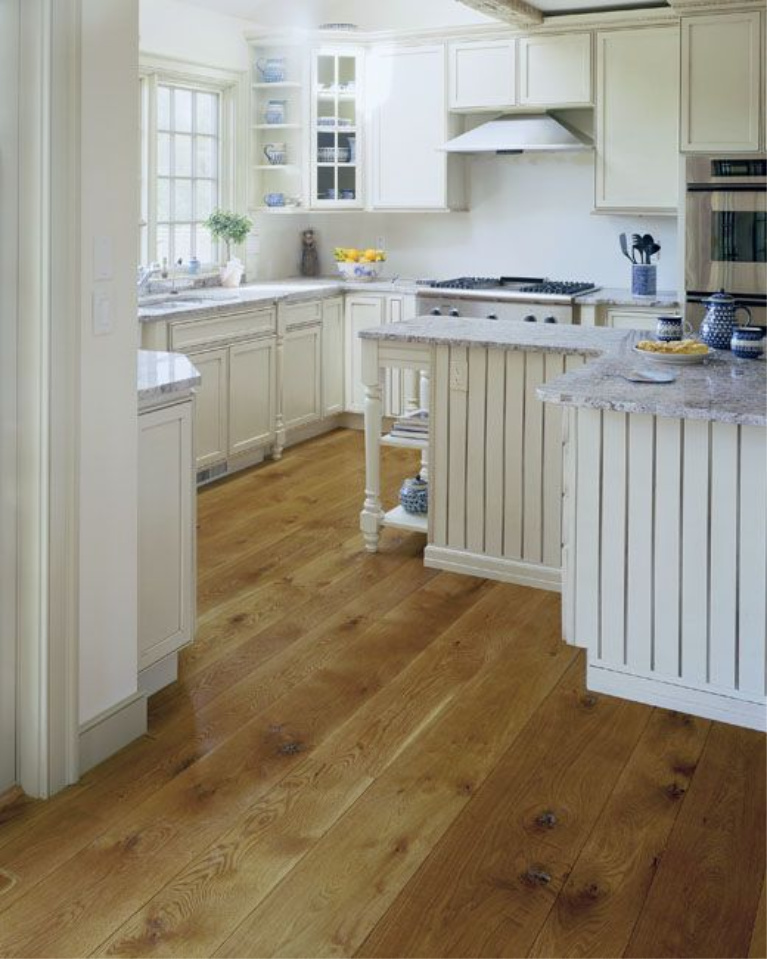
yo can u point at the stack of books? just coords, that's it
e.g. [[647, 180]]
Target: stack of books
[[413, 426]]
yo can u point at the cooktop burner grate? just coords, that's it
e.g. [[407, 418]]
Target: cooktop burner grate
[[559, 287], [467, 283]]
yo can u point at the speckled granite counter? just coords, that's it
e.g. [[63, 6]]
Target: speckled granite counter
[[615, 296], [530, 337], [723, 389], [164, 376], [204, 302]]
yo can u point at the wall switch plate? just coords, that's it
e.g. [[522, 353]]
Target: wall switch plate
[[102, 313], [459, 376], [381, 243], [103, 261]]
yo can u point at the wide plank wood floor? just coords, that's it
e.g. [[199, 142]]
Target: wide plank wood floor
[[364, 757]]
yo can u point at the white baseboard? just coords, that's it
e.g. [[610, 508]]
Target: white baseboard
[[491, 567], [698, 702], [158, 675], [107, 733]]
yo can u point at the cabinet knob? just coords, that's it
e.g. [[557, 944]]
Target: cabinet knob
[[454, 312], [436, 311], [492, 316], [550, 319], [530, 318]]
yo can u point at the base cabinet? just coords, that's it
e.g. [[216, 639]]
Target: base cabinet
[[210, 426], [721, 83], [333, 386], [302, 371], [637, 159], [166, 538], [252, 393]]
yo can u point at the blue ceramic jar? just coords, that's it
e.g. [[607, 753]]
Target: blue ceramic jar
[[748, 342], [414, 496]]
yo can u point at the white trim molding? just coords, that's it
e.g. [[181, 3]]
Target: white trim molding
[[48, 395], [491, 567], [110, 731]]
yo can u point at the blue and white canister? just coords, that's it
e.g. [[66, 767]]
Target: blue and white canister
[[414, 496], [748, 342], [644, 279]]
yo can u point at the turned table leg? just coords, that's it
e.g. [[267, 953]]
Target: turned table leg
[[372, 512]]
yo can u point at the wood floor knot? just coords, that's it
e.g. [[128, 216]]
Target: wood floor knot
[[536, 875], [291, 748], [547, 819], [589, 700], [675, 791]]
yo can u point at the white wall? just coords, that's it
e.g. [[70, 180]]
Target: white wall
[[108, 428], [529, 215], [176, 29]]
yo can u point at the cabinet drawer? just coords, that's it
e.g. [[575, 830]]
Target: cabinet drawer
[[637, 319], [301, 314], [233, 326]]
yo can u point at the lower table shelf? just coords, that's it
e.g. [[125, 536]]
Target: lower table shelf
[[398, 518]]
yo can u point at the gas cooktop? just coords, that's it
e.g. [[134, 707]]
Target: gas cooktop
[[518, 284]]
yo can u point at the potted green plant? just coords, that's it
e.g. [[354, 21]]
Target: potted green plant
[[232, 228]]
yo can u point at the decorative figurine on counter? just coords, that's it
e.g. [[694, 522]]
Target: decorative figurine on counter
[[310, 260]]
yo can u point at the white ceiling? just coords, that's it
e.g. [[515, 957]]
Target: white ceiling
[[309, 14], [389, 14]]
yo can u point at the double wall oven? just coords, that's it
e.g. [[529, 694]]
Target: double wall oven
[[726, 232]]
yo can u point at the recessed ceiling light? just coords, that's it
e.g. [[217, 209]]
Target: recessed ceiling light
[[338, 26]]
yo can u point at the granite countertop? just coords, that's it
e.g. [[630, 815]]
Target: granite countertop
[[200, 303], [615, 296], [723, 388], [503, 334], [164, 375]]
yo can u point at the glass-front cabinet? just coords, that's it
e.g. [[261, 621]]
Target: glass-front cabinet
[[336, 129]]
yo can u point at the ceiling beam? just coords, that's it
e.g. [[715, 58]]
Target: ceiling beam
[[517, 12]]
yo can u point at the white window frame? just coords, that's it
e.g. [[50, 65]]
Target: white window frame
[[232, 88]]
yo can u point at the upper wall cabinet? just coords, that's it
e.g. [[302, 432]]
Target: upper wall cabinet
[[407, 101], [637, 160], [555, 71], [721, 82], [482, 75]]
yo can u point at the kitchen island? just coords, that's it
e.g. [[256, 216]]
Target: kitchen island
[[645, 504]]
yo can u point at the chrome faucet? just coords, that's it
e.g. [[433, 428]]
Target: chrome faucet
[[144, 275]]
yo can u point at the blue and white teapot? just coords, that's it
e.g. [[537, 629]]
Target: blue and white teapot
[[719, 322]]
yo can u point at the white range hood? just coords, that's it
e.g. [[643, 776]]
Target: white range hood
[[521, 133]]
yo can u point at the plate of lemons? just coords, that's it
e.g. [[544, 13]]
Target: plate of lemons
[[675, 352]]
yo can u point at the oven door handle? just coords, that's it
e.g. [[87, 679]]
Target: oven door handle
[[727, 188]]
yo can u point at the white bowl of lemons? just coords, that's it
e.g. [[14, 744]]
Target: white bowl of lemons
[[359, 265]]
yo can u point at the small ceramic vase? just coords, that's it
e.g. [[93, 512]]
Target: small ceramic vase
[[747, 342], [414, 496], [232, 273]]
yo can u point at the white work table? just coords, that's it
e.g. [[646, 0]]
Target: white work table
[[646, 505]]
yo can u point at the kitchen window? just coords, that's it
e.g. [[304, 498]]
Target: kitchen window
[[188, 164]]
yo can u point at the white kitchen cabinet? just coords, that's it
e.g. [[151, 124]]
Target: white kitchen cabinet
[[555, 70], [637, 160], [721, 83], [409, 118], [301, 385], [166, 538], [251, 395], [363, 312], [482, 75], [210, 427], [333, 349]]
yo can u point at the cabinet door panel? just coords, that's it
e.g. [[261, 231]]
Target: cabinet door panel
[[165, 532], [362, 313], [210, 426], [555, 71], [720, 83], [482, 75], [409, 127], [301, 396], [251, 395], [332, 357], [637, 162]]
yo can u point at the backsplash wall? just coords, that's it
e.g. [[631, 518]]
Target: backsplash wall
[[529, 215]]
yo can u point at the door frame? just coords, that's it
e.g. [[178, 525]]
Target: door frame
[[47, 415]]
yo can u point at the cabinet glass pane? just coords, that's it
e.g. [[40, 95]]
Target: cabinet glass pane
[[326, 72], [347, 74], [326, 183]]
